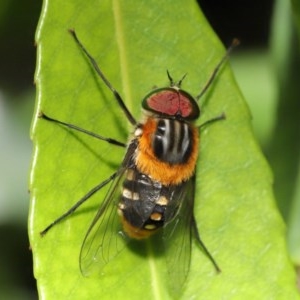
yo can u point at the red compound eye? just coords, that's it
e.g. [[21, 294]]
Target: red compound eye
[[172, 102]]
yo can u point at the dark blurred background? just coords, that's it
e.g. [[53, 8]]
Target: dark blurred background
[[247, 20]]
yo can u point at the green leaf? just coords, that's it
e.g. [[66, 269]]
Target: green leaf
[[135, 43]]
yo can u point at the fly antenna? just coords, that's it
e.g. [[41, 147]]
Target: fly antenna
[[234, 43], [172, 82], [180, 81], [170, 78]]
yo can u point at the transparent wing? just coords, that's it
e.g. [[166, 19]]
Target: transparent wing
[[103, 240], [177, 234]]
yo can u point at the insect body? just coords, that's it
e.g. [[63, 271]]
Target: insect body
[[163, 157], [154, 188]]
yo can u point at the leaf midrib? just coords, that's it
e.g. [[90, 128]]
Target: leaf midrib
[[153, 269], [122, 53]]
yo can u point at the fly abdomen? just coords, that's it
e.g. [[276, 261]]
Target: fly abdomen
[[172, 141], [141, 206]]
